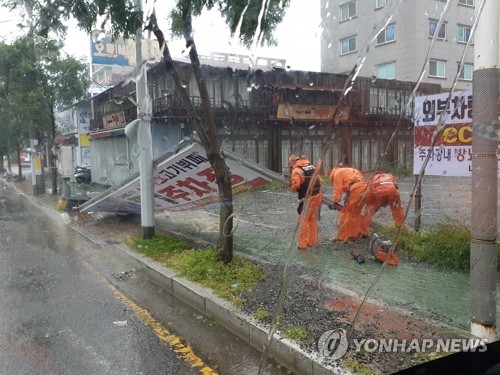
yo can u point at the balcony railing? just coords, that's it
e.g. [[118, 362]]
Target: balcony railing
[[170, 106]]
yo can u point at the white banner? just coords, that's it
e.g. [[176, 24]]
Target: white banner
[[451, 154], [183, 181], [429, 109]]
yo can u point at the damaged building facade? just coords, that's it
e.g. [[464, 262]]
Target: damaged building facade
[[264, 114]]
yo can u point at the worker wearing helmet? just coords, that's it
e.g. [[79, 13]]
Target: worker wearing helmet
[[307, 184], [351, 223], [382, 192]]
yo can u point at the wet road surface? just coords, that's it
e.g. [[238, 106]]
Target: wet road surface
[[70, 306]]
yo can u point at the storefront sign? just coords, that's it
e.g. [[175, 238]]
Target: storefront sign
[[114, 120], [311, 112]]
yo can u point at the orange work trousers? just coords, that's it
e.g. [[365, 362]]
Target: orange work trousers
[[382, 196], [352, 223], [308, 231]]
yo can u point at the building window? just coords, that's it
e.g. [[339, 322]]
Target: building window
[[386, 71], [432, 29], [348, 45], [347, 11], [466, 2], [466, 72], [437, 68], [463, 34], [380, 3], [386, 35]]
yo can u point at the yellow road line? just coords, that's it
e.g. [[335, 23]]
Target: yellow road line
[[183, 352]]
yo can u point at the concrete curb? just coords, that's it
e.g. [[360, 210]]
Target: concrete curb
[[283, 351], [207, 303]]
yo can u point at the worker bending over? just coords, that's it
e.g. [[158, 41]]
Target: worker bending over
[[351, 223], [382, 192]]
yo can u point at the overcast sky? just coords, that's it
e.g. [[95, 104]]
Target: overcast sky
[[298, 36]]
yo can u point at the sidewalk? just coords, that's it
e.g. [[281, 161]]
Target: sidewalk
[[323, 304]]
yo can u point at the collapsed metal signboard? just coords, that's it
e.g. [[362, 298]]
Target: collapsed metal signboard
[[183, 180], [452, 151]]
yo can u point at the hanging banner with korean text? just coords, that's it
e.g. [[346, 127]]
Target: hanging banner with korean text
[[184, 180], [452, 151]]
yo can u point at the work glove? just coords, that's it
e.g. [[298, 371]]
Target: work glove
[[335, 206]]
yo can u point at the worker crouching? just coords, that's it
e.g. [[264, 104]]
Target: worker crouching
[[307, 184]]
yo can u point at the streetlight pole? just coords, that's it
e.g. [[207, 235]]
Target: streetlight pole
[[140, 129], [483, 253]]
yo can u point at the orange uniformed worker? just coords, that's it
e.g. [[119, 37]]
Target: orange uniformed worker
[[310, 197], [382, 192], [351, 223]]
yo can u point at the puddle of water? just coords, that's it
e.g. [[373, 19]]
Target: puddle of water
[[431, 293]]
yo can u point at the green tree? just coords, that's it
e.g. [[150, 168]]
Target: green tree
[[64, 80], [252, 21], [36, 81], [19, 97]]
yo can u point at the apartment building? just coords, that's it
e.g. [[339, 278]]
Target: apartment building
[[401, 50]]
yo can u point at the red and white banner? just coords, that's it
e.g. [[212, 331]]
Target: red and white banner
[[452, 140], [183, 181]]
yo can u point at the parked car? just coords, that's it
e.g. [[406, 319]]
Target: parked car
[[82, 174]]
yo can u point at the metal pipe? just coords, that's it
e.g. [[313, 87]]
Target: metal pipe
[[418, 203]]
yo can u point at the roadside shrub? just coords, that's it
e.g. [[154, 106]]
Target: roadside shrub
[[261, 314], [296, 333], [158, 246], [273, 186], [446, 245], [399, 171], [201, 266], [205, 267]]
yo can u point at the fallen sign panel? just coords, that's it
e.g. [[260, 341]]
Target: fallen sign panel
[[183, 180]]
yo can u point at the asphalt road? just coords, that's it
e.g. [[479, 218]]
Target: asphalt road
[[57, 315], [72, 306]]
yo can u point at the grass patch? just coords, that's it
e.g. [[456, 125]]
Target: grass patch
[[201, 266], [399, 172], [159, 247], [357, 367], [446, 245], [296, 333], [273, 186], [261, 314], [325, 180]]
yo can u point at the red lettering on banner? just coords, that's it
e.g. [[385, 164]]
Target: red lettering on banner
[[173, 193], [453, 135], [236, 179], [198, 187], [208, 174]]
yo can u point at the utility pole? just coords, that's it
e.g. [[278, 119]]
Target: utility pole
[[483, 253], [140, 131]]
